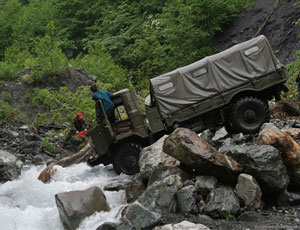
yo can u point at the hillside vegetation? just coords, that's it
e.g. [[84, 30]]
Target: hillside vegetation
[[122, 43]]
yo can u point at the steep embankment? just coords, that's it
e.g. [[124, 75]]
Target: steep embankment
[[273, 18]]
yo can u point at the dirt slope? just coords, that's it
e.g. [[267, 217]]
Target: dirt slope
[[273, 18]]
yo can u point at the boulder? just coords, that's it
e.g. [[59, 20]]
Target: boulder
[[222, 202], [74, 206], [160, 196], [162, 171], [186, 200], [205, 184], [152, 156], [288, 147], [194, 152], [116, 185], [108, 226], [10, 167], [207, 135], [288, 198], [249, 191], [134, 189], [220, 135], [263, 162], [184, 225], [139, 217]]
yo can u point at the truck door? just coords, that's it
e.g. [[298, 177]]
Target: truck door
[[103, 134]]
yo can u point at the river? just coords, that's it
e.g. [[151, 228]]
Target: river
[[29, 204]]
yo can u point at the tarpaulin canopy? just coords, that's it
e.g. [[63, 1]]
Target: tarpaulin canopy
[[214, 74]]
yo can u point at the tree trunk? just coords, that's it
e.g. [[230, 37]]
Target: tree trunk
[[64, 162]]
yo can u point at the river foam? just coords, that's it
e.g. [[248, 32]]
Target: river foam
[[29, 204]]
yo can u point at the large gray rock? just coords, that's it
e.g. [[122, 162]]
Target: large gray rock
[[74, 206], [138, 217], [185, 145], [162, 171], [263, 162], [152, 156], [205, 184], [10, 166], [184, 225], [134, 189], [222, 202], [160, 196], [249, 191], [186, 200], [288, 148]]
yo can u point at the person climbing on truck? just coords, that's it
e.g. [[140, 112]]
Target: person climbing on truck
[[78, 127], [107, 104]]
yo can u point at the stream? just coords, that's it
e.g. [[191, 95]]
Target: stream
[[29, 204]]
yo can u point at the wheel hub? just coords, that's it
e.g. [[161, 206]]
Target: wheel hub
[[250, 116], [129, 161]]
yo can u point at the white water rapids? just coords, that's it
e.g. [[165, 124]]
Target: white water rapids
[[29, 204]]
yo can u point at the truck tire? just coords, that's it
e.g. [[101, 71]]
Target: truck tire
[[126, 159], [248, 115]]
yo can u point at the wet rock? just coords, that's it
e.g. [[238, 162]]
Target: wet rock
[[108, 226], [238, 138], [162, 171], [186, 200], [288, 198], [184, 225], [136, 216], [185, 145], [263, 162], [10, 166], [205, 184], [220, 134], [288, 147], [116, 185], [249, 191], [74, 206], [249, 216], [222, 202], [207, 135], [160, 196], [228, 141], [152, 156], [135, 188]]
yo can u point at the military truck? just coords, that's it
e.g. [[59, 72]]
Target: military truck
[[231, 88]]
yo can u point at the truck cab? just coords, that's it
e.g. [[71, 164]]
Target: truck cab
[[120, 142]]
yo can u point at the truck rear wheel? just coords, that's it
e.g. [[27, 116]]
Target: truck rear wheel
[[248, 114], [126, 159]]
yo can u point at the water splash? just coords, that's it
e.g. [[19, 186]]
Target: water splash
[[29, 204]]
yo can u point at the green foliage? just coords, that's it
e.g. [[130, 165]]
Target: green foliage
[[9, 14], [32, 21], [99, 63], [293, 69], [48, 58], [8, 71], [6, 112], [48, 145], [62, 105]]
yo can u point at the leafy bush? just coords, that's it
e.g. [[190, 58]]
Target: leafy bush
[[99, 63], [293, 69], [6, 112], [8, 71]]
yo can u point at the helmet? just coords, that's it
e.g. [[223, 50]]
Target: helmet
[[79, 115]]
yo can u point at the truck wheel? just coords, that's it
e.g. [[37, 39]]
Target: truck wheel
[[126, 159], [248, 114]]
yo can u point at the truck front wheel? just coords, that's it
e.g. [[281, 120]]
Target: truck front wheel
[[126, 159], [248, 114]]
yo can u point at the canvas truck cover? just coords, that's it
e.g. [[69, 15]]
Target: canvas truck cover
[[214, 74]]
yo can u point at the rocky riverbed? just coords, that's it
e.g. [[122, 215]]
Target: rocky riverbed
[[172, 192]]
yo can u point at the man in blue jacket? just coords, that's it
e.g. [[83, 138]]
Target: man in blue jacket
[[106, 101]]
